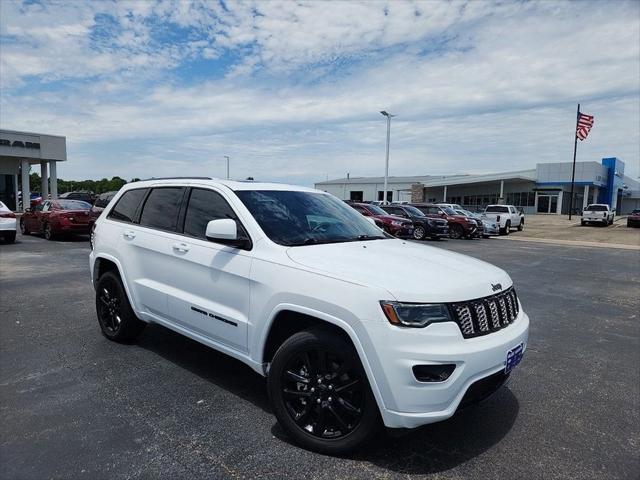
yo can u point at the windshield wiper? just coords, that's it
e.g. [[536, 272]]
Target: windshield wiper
[[366, 237]]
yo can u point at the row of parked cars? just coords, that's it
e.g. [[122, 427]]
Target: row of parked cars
[[71, 213], [441, 220]]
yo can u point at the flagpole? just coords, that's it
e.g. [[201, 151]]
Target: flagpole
[[573, 171]]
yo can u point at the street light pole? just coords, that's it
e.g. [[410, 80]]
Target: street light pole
[[227, 157], [386, 163]]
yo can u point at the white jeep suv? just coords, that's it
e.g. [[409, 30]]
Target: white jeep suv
[[353, 328]]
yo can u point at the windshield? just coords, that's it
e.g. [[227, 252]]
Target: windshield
[[496, 209], [294, 218], [449, 211], [74, 205], [597, 208], [376, 210], [413, 211]]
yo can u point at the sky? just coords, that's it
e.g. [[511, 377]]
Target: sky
[[292, 91]]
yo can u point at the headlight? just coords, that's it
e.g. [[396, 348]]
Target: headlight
[[396, 223], [417, 315]]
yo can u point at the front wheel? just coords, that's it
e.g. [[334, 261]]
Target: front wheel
[[48, 233], [320, 393], [418, 233], [115, 315], [456, 231], [521, 226]]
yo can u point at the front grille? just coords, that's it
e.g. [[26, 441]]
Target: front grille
[[485, 315]]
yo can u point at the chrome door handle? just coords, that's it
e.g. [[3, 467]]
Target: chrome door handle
[[129, 234], [181, 247]]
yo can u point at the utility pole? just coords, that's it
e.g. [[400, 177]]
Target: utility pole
[[386, 163], [227, 157]]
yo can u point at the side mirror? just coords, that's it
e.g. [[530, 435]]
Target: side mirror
[[222, 229], [225, 231], [373, 221]]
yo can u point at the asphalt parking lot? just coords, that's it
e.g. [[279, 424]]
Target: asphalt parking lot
[[74, 405]]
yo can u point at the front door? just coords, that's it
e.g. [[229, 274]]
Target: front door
[[211, 296]]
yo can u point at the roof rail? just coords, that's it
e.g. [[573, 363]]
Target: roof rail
[[176, 178]]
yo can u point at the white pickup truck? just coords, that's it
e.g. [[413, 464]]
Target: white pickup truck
[[506, 216], [597, 213]]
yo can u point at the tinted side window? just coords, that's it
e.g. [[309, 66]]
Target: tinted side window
[[161, 208], [204, 206], [126, 207]]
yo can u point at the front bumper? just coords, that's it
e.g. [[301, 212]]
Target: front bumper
[[408, 403]]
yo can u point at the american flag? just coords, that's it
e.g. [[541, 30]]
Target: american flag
[[585, 122]]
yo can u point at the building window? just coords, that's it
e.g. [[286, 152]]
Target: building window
[[356, 196], [389, 195]]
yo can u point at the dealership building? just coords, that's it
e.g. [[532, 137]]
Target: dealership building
[[19, 151], [543, 189]]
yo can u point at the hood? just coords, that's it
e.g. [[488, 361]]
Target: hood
[[408, 271]]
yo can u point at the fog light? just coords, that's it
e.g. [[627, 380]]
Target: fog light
[[433, 373]]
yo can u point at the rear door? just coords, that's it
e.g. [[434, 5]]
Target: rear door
[[211, 298], [154, 265]]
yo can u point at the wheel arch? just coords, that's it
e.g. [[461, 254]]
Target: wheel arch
[[287, 319], [104, 263]]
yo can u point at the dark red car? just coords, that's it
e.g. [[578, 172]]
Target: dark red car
[[459, 225], [396, 226], [55, 217], [633, 220]]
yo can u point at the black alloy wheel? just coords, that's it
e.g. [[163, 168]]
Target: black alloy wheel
[[419, 232], [320, 393], [108, 306], [456, 231], [117, 320]]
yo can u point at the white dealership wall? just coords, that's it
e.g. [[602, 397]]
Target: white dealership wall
[[530, 189], [20, 150]]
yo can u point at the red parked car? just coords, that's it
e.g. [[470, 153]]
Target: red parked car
[[55, 217], [633, 220], [459, 225], [396, 226]]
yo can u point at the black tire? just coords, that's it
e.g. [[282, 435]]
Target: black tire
[[521, 226], [456, 231], [23, 228], [307, 367], [48, 233], [117, 320], [10, 237], [582, 223], [507, 228], [419, 232]]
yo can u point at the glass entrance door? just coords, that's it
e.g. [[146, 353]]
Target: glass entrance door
[[547, 203]]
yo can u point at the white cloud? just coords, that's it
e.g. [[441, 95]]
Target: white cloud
[[478, 86]]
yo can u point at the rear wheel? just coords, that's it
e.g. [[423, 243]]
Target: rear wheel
[[456, 231], [23, 227], [419, 232], [115, 315], [320, 393], [507, 228]]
